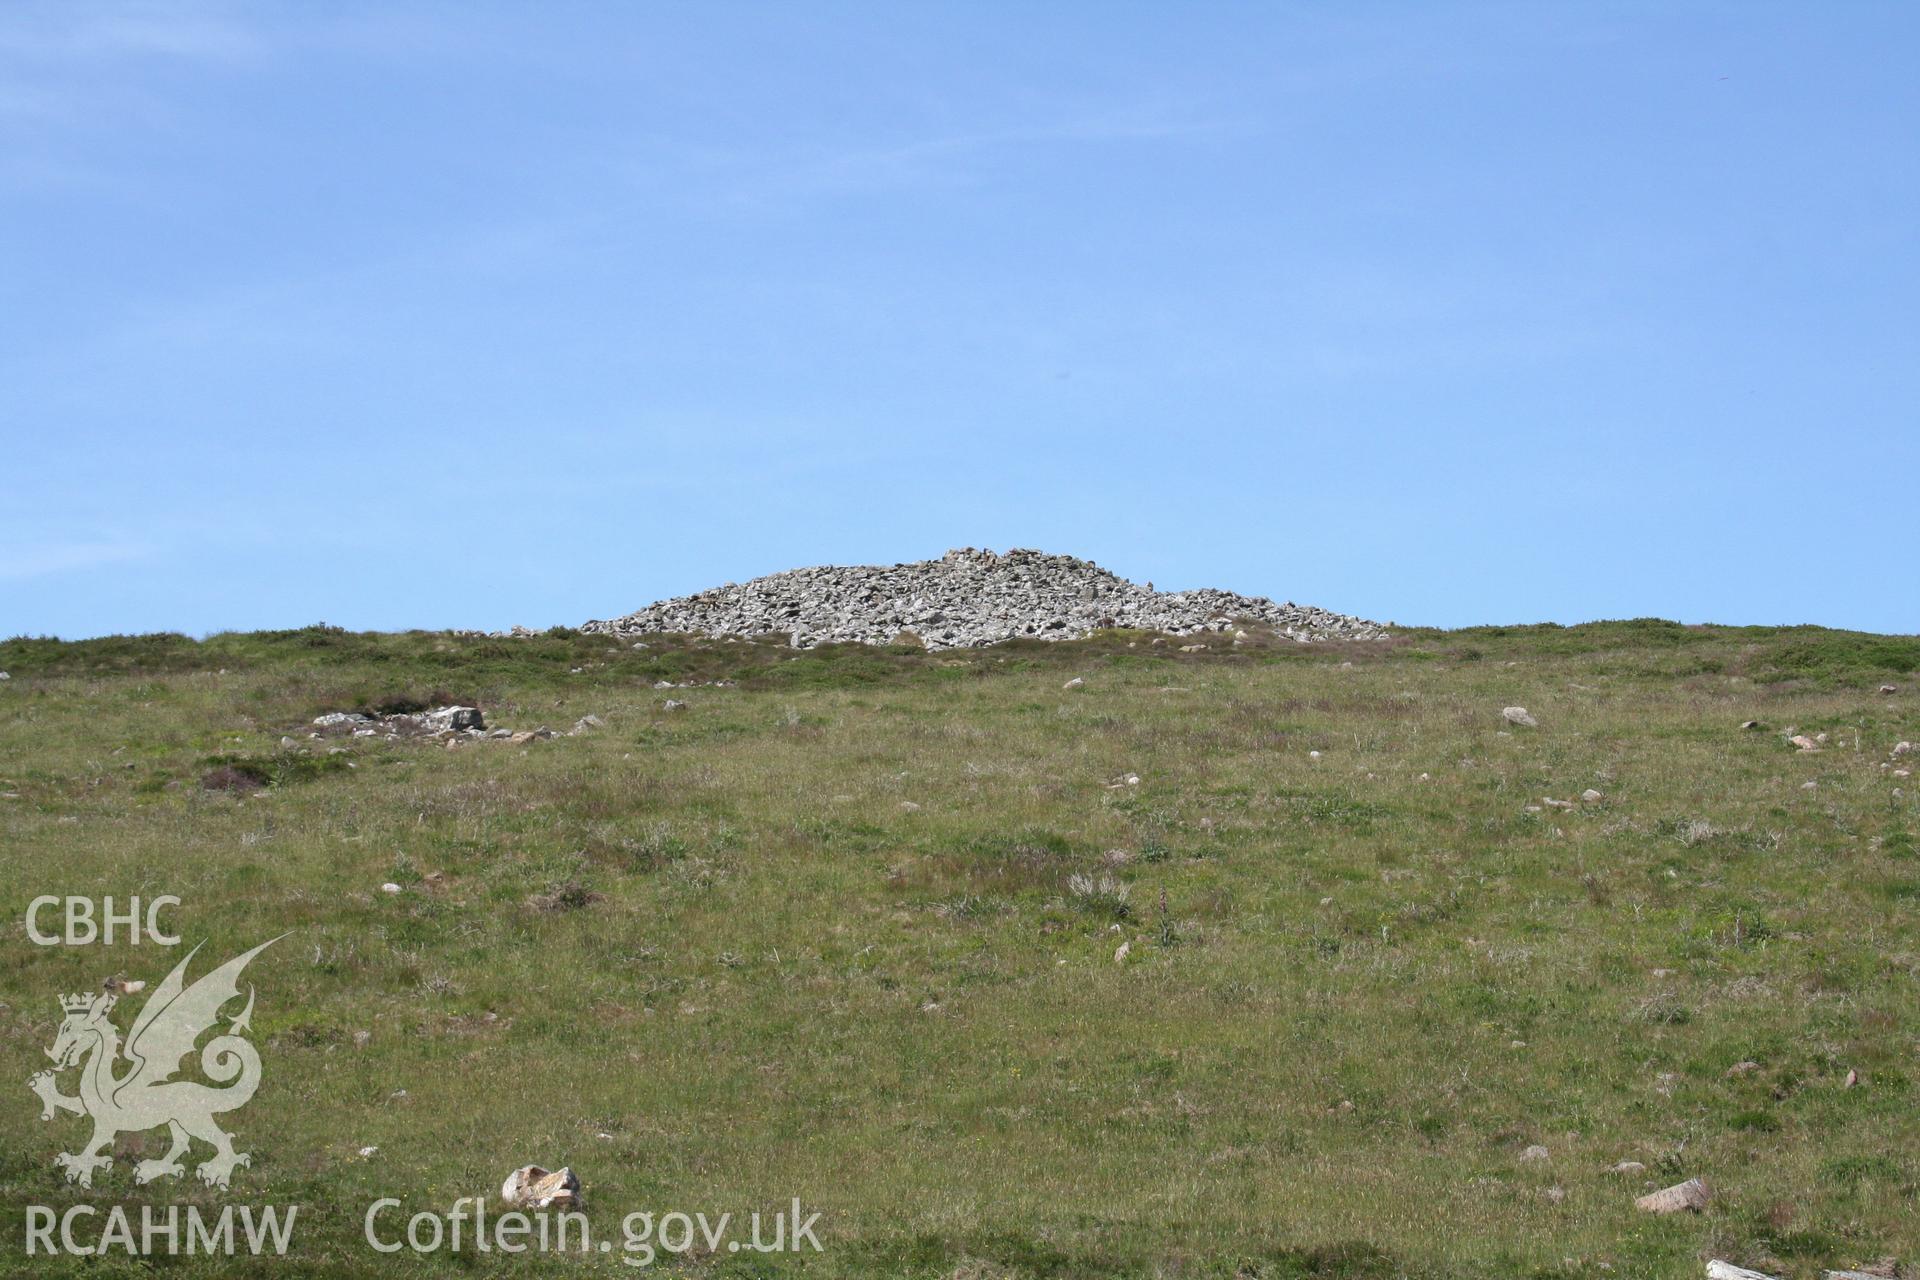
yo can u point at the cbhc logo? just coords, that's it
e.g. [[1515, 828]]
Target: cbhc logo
[[86, 925]]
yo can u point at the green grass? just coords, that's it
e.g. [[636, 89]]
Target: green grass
[[844, 929]]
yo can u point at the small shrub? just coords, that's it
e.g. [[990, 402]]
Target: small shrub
[[1103, 896], [237, 778], [569, 896], [411, 702], [1663, 1011]]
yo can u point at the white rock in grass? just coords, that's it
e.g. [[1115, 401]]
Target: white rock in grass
[[1519, 716], [1591, 796], [1718, 1270], [1535, 1153], [389, 887], [531, 1187], [1689, 1196], [1121, 952], [1074, 683]]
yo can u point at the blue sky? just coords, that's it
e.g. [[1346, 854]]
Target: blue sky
[[470, 315]]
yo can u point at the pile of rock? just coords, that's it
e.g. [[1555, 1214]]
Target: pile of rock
[[451, 724], [968, 598], [434, 723]]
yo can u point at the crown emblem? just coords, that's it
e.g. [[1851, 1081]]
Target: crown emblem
[[83, 1002]]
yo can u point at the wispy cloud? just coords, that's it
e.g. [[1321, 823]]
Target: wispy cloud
[[67, 557], [63, 32], [753, 174]]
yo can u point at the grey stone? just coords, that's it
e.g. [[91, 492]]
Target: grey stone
[[965, 599]]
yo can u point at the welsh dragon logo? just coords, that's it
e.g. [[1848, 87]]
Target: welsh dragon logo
[[144, 1095]]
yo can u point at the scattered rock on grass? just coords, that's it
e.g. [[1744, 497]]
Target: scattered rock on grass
[[446, 720], [1689, 1196], [1628, 1169], [1535, 1153], [432, 723], [1884, 1269], [1519, 716], [1718, 1270]]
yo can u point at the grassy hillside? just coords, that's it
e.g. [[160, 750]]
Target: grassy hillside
[[844, 928]]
